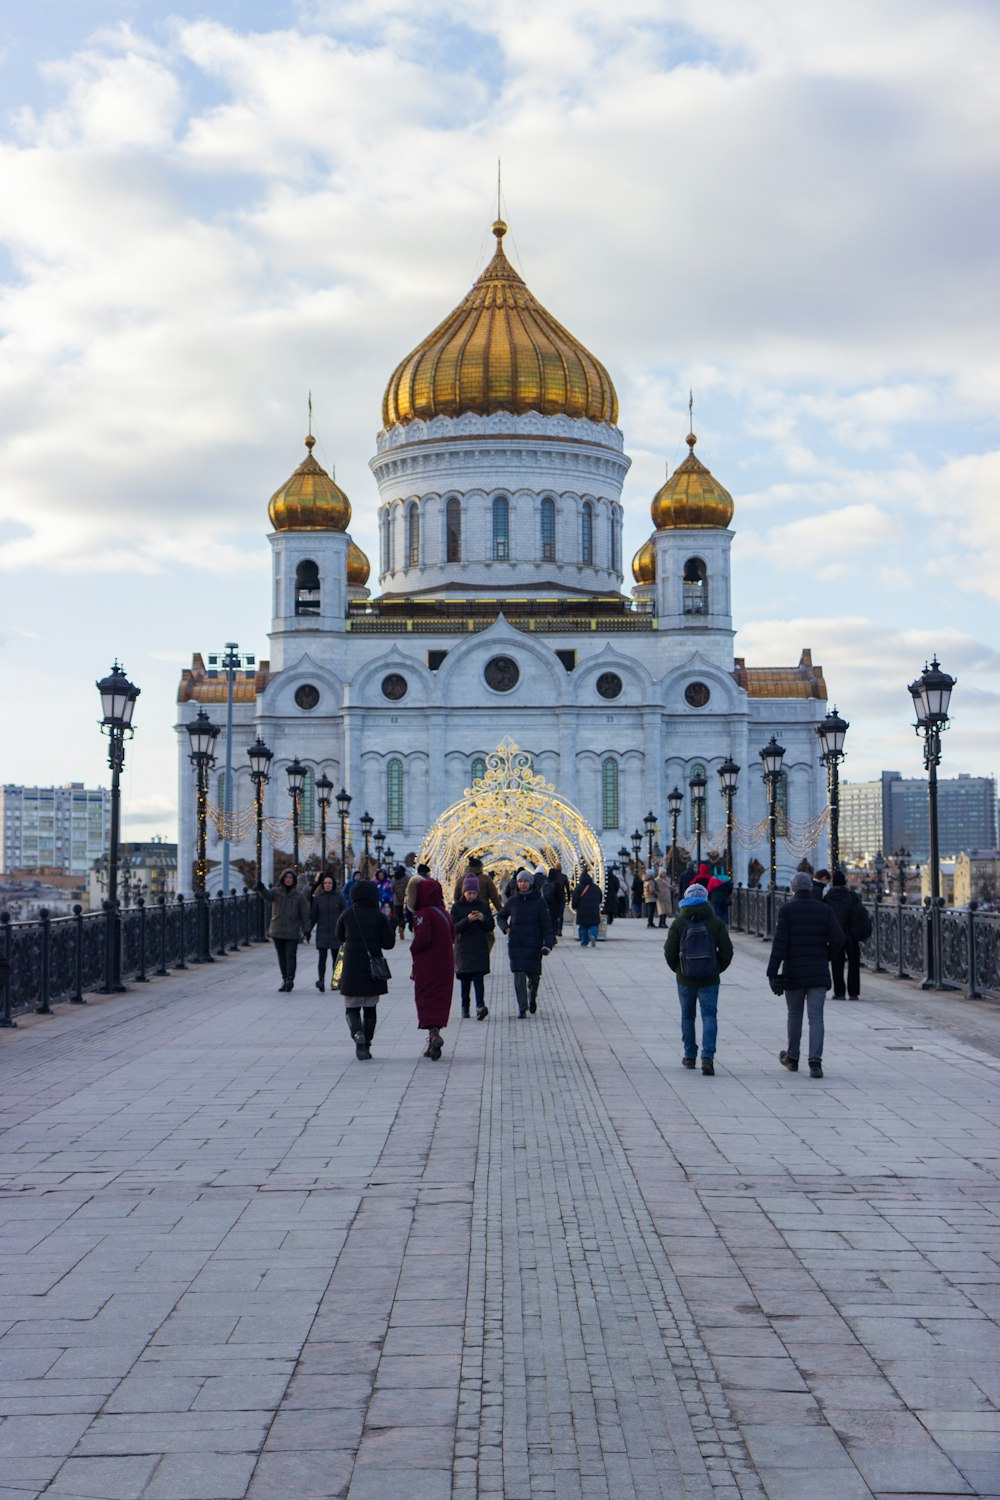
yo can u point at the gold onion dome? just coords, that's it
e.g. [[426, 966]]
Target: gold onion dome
[[644, 563], [691, 497], [358, 567], [499, 351], [310, 500]]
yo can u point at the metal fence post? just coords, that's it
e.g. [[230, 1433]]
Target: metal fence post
[[899, 918], [77, 996], [233, 906], [246, 918], [878, 933], [5, 973], [182, 946], [970, 989], [221, 950], [142, 977], [161, 902], [43, 1008]]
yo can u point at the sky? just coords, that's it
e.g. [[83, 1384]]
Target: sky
[[209, 211]]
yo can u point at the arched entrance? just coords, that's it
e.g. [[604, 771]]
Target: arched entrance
[[511, 818]]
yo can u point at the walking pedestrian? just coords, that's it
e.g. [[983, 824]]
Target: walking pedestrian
[[400, 880], [433, 953], [487, 887], [326, 907], [635, 890], [586, 903], [612, 886], [720, 895], [289, 923], [664, 897], [364, 932], [807, 936], [554, 896], [525, 920], [649, 898], [473, 923], [698, 949], [856, 926]]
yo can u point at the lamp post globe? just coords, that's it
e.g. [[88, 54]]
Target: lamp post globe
[[831, 734], [636, 840], [379, 842], [728, 774], [771, 758], [118, 697]]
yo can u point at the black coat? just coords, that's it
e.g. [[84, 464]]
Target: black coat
[[472, 939], [526, 921], [587, 903], [362, 923], [326, 908], [611, 896], [806, 936], [847, 908]]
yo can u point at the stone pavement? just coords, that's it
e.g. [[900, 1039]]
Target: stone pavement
[[236, 1262]]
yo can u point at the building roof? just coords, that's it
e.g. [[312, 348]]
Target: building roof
[[803, 681], [198, 686]]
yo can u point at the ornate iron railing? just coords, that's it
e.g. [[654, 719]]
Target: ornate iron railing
[[59, 958], [957, 950]]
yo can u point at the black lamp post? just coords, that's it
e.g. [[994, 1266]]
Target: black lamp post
[[260, 763], [623, 862], [390, 855], [343, 809], [650, 824], [296, 774], [902, 858], [118, 697], [324, 792], [379, 844], [675, 801], [879, 875], [636, 837], [202, 734], [931, 694], [367, 824], [697, 786], [728, 774], [831, 735], [770, 758]]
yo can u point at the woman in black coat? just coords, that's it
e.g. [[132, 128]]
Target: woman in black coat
[[364, 932], [473, 923], [586, 903], [526, 921], [327, 905]]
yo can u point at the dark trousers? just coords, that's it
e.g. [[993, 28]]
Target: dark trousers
[[525, 988], [470, 982], [358, 1020], [852, 953], [321, 959], [649, 909], [288, 952], [399, 917]]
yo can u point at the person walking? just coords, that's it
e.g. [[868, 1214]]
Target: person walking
[[586, 903], [807, 936], [720, 895], [433, 953], [487, 886], [687, 876], [473, 923], [289, 923], [635, 890], [856, 926], [526, 922], [363, 932], [400, 880], [325, 909], [664, 897], [698, 949], [649, 898], [554, 896], [612, 886]]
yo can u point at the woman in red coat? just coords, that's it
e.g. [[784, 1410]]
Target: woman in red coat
[[433, 955]]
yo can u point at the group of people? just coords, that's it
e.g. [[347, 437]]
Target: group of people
[[656, 896]]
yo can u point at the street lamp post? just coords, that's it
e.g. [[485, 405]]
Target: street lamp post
[[675, 801], [343, 809], [771, 757], [623, 861], [728, 773], [324, 793], [931, 694], [260, 762], [636, 840], [367, 824], [379, 844], [697, 786], [879, 875], [390, 855], [650, 824], [902, 858], [118, 697], [296, 774], [231, 660], [831, 735], [202, 734]]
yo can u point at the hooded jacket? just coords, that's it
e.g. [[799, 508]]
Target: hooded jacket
[[289, 910], [697, 910], [526, 921], [587, 903], [325, 910], [433, 955], [362, 923]]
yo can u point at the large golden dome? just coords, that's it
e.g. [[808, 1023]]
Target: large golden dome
[[499, 351], [358, 567], [644, 563], [691, 497], [310, 500]]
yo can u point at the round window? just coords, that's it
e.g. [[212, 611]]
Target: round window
[[307, 696], [697, 694], [502, 673], [609, 685], [394, 686]]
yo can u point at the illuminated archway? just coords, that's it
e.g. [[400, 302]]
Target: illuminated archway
[[509, 818]]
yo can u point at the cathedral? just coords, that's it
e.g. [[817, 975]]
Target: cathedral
[[500, 612]]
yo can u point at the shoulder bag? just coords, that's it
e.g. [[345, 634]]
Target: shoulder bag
[[377, 965]]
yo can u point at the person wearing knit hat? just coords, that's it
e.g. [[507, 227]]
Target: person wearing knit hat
[[487, 887], [290, 922], [698, 949], [473, 923]]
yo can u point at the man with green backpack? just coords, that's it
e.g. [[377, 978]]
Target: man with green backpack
[[698, 949]]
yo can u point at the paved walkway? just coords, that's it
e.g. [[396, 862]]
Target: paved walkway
[[236, 1262]]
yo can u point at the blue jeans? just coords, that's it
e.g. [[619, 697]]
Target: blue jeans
[[691, 996], [587, 935], [797, 1002]]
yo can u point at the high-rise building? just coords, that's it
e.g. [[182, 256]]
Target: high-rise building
[[892, 813], [63, 828]]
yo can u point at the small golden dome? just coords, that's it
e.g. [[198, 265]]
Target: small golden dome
[[358, 567], [310, 500], [499, 351], [691, 497], [644, 563]]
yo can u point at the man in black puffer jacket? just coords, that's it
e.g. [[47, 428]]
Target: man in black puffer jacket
[[526, 921], [856, 926], [806, 937]]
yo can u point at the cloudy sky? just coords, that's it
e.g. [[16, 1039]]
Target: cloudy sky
[[210, 209]]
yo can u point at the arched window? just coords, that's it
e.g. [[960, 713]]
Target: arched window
[[453, 530], [386, 535], [478, 768], [609, 793], [307, 804], [548, 530], [501, 529], [615, 548], [587, 535], [781, 805], [695, 587], [413, 535], [394, 794], [307, 588]]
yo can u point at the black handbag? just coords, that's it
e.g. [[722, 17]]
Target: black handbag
[[377, 965]]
